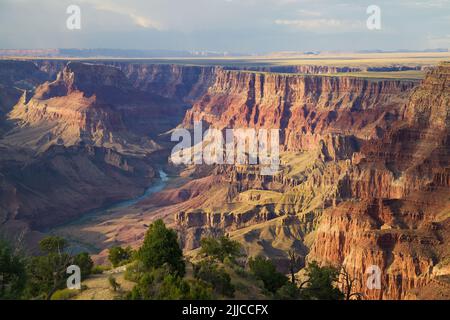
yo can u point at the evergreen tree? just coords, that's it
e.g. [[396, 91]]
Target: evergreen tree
[[321, 283], [119, 255], [161, 248], [84, 261], [12, 272], [220, 280], [220, 248], [264, 270], [47, 273]]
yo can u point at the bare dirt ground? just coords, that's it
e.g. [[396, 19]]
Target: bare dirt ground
[[98, 287]]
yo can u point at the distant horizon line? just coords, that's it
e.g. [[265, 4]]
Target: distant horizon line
[[184, 53]]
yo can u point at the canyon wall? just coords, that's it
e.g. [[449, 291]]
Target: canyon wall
[[404, 229], [326, 69], [305, 107], [374, 184], [173, 81], [75, 143], [182, 82]]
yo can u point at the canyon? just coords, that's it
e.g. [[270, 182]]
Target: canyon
[[364, 177]]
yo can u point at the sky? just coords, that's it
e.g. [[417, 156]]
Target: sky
[[245, 26]]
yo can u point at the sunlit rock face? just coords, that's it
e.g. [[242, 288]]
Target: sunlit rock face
[[305, 107], [376, 177], [398, 219]]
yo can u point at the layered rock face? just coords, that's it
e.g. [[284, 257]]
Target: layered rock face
[[306, 108], [322, 122], [182, 82], [306, 69], [16, 76], [318, 69], [398, 219], [323, 118], [364, 174], [95, 105], [22, 74], [185, 83]]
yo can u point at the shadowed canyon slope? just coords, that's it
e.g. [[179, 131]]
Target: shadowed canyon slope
[[364, 177], [76, 143]]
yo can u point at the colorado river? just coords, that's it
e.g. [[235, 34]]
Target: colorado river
[[77, 245]]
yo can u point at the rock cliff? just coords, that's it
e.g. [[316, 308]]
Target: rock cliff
[[81, 141], [365, 171], [305, 107], [94, 105], [398, 219]]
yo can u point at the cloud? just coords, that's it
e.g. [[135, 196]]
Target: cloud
[[424, 4], [322, 25], [220, 25], [309, 13], [138, 19]]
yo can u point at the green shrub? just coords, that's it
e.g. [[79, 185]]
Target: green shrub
[[264, 270], [64, 294], [241, 272], [289, 291], [47, 273], [119, 256], [134, 271], [219, 279], [199, 290], [220, 249], [13, 272], [84, 261], [320, 285], [240, 286], [115, 286], [99, 269], [162, 284]]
